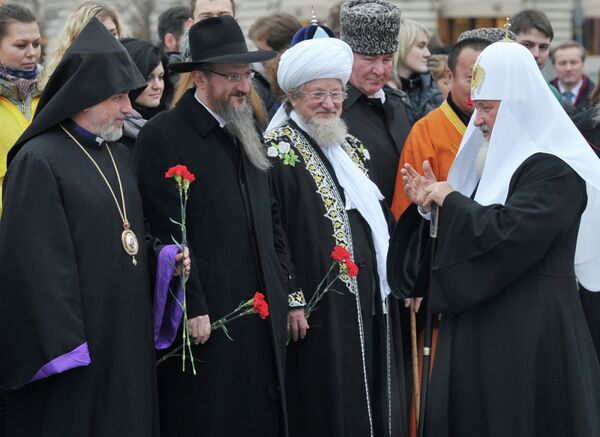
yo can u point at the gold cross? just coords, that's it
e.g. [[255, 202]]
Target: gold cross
[[506, 29]]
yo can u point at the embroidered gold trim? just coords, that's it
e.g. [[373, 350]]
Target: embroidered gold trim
[[454, 119], [326, 188], [296, 299]]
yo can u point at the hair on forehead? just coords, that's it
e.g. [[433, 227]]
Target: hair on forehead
[[529, 19], [476, 44], [194, 3]]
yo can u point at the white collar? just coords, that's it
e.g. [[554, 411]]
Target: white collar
[[211, 112], [380, 94]]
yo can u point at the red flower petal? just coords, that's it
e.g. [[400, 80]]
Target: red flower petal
[[352, 268], [340, 254]]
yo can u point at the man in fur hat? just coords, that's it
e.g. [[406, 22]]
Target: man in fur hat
[[375, 113]]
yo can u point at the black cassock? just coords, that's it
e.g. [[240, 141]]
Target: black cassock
[[239, 386], [514, 355], [325, 377], [67, 282]]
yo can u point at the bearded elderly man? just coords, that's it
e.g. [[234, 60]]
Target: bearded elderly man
[[76, 318], [517, 227], [231, 234], [344, 375]]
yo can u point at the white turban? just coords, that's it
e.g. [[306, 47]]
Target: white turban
[[321, 58]]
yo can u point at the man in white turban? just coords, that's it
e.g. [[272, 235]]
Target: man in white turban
[[344, 376], [517, 227]]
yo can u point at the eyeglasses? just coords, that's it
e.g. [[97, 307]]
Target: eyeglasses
[[234, 77], [321, 96]]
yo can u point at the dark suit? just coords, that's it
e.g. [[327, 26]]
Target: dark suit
[[382, 128]]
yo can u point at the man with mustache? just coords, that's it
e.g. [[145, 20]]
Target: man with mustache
[[76, 315], [343, 378], [517, 229], [239, 386]]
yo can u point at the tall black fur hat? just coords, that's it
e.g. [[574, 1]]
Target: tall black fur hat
[[370, 27]]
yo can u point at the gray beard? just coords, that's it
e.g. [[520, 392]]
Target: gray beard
[[327, 132], [110, 133], [481, 157], [239, 122]]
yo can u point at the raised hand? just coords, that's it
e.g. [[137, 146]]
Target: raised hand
[[414, 183]]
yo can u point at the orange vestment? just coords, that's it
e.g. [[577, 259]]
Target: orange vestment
[[435, 137]]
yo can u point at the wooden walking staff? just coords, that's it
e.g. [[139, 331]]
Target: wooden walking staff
[[415, 357], [433, 232]]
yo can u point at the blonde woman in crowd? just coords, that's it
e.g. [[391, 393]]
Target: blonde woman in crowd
[[410, 69], [75, 23]]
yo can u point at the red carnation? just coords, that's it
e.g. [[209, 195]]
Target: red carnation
[[352, 268], [260, 305], [340, 254], [176, 170]]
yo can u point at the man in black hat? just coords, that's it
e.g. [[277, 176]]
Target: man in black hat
[[238, 388], [76, 317]]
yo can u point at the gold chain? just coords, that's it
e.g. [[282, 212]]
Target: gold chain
[[122, 213]]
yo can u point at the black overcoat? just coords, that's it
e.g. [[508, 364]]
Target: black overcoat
[[239, 386], [383, 129]]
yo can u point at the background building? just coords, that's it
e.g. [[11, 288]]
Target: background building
[[571, 19]]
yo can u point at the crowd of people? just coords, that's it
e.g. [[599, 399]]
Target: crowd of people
[[420, 220]]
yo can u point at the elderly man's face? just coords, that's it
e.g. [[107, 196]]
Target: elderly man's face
[[568, 64], [486, 115], [107, 117], [370, 73], [320, 99]]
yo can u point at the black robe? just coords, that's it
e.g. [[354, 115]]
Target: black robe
[[514, 355], [239, 386], [66, 280], [325, 380], [382, 128], [590, 129]]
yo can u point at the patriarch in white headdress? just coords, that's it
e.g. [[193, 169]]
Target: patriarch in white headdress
[[529, 120]]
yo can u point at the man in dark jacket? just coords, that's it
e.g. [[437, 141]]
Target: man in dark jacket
[[375, 113], [231, 235]]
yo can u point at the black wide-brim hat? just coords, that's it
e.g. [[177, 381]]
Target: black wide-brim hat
[[219, 40]]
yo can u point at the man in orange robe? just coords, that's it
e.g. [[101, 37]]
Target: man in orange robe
[[437, 136]]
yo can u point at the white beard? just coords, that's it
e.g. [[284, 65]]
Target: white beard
[[327, 132], [481, 157]]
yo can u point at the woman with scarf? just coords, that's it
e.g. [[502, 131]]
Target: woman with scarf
[[411, 73], [147, 102], [20, 51]]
